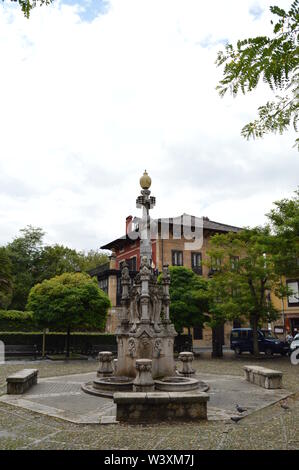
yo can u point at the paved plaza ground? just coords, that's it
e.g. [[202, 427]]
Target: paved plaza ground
[[269, 428]]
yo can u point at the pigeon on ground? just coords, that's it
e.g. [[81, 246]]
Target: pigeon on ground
[[236, 419], [240, 409], [284, 405]]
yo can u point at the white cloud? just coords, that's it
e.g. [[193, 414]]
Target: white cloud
[[86, 106]]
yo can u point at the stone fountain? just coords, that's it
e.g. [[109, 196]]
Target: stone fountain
[[145, 335]]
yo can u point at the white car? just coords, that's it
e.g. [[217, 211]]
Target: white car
[[295, 343]]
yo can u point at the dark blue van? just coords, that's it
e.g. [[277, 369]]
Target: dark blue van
[[241, 340]]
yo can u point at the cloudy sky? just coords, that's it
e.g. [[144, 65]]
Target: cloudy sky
[[93, 92]]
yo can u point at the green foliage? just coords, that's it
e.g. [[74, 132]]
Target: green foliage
[[6, 283], [188, 297], [32, 262], [285, 216], [13, 320], [24, 253], [275, 61], [28, 5], [284, 219], [55, 260], [69, 301], [92, 259], [240, 289]]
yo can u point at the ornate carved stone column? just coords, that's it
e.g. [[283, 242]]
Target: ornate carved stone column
[[125, 297], [105, 367], [144, 380], [166, 296], [145, 275], [186, 358]]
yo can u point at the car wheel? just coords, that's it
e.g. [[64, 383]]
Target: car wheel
[[268, 352], [238, 351]]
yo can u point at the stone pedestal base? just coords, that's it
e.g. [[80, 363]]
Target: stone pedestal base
[[187, 358], [266, 378], [144, 379], [145, 344], [105, 364], [21, 381], [159, 406]]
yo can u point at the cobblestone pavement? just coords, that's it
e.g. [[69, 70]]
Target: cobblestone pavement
[[271, 428]]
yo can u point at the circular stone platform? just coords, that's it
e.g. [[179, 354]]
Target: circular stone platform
[[62, 397], [107, 386]]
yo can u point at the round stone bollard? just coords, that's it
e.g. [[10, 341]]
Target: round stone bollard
[[115, 366], [105, 359], [186, 358], [144, 380]]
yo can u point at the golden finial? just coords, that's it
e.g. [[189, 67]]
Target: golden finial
[[145, 181]]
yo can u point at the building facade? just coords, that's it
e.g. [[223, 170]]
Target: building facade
[[171, 245], [288, 308]]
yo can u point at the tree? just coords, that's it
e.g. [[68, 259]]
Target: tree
[[32, 262], [24, 253], [55, 260], [5, 279], [69, 301], [284, 220], [245, 276], [28, 5], [188, 298], [92, 259], [275, 61]]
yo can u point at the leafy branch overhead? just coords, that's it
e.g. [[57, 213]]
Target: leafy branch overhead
[[28, 5], [275, 61]]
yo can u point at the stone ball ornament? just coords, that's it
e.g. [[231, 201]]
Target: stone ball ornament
[[145, 180]]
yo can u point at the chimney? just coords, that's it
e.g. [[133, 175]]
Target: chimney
[[129, 220]]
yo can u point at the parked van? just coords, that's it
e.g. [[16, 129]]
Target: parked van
[[241, 340]]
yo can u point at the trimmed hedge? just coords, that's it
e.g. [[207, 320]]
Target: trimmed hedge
[[81, 342], [14, 320], [18, 321]]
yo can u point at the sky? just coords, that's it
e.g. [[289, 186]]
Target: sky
[[93, 92]]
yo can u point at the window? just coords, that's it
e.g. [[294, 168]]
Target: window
[[121, 263], [293, 299], [197, 332], [177, 258], [234, 260], [132, 263], [215, 263], [196, 262], [103, 284]]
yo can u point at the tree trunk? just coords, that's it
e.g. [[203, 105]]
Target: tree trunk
[[68, 340], [217, 341], [256, 351], [44, 344]]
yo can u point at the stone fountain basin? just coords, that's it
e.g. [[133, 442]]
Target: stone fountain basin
[[107, 386], [180, 384]]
